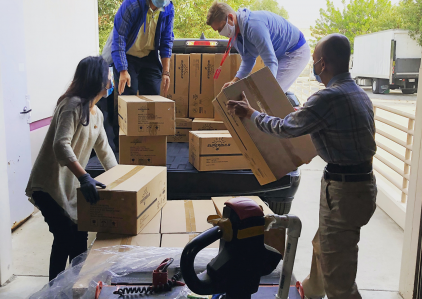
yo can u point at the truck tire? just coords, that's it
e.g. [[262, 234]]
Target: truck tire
[[408, 90], [375, 86]]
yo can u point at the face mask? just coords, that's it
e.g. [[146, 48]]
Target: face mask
[[228, 30], [110, 90], [160, 3], [317, 77]]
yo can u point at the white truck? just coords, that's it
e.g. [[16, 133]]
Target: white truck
[[387, 60]]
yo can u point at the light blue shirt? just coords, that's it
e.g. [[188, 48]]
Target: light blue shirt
[[263, 34]]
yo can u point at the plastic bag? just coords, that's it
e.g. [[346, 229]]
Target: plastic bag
[[107, 263]]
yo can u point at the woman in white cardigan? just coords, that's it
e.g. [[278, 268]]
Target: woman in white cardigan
[[76, 129]]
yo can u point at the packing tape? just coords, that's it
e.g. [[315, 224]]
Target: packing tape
[[125, 242], [190, 216], [250, 232], [124, 177], [151, 111], [192, 236]]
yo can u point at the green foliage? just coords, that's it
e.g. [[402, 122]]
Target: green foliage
[[270, 5], [356, 18], [106, 11], [411, 11], [190, 16]]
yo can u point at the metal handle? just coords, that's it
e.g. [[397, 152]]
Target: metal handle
[[25, 111]]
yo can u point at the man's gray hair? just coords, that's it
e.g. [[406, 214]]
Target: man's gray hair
[[218, 12]]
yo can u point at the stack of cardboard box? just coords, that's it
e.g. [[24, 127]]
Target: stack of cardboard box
[[145, 122], [177, 223]]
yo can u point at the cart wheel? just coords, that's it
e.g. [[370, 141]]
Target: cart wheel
[[98, 289], [300, 289]]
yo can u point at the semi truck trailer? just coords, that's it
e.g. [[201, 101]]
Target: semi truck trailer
[[387, 60]]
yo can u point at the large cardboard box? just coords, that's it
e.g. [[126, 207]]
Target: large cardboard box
[[180, 240], [146, 115], [228, 71], [275, 238], [215, 150], [270, 157], [207, 124], [142, 150], [186, 216], [183, 127], [201, 85], [179, 83], [96, 261], [134, 195]]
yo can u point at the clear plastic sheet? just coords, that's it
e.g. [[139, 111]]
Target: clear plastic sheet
[[107, 263]]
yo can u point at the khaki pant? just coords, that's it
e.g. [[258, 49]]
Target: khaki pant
[[344, 209]]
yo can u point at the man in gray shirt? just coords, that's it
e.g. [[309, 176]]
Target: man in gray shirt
[[340, 120]]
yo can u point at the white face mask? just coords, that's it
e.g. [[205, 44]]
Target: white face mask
[[228, 30]]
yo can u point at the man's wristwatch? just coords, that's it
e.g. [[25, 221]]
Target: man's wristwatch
[[166, 73]]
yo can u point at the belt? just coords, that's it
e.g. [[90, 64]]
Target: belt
[[348, 177]]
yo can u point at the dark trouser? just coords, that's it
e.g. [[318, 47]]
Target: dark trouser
[[145, 76], [68, 241]]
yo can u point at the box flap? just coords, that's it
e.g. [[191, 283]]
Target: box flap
[[275, 157], [128, 178], [181, 216]]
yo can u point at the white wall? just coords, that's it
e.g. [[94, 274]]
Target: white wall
[[14, 91], [58, 34]]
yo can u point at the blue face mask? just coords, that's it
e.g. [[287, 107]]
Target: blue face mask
[[317, 77], [110, 90], [160, 3]]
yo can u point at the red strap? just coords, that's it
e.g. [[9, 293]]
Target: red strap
[[229, 47]]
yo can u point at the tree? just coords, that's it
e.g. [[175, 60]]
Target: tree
[[107, 9], [411, 12], [270, 5], [190, 16], [357, 17]]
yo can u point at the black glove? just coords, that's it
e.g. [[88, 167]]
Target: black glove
[[89, 188]]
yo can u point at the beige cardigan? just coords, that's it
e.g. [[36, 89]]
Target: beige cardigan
[[68, 141]]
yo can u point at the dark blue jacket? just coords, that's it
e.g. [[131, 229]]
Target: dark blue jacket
[[127, 23]]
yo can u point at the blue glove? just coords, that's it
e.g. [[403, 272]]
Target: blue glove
[[89, 188]]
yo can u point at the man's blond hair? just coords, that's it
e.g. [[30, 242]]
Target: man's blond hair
[[218, 12]]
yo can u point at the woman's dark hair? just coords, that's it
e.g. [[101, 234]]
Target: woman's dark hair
[[91, 77]]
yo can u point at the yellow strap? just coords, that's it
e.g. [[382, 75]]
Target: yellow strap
[[190, 216], [225, 225], [250, 232], [124, 177]]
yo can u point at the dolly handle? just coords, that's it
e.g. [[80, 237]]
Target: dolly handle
[[204, 285]]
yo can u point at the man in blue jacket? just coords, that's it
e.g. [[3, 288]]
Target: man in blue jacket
[[143, 31], [281, 45]]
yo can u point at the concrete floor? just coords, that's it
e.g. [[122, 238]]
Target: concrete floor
[[379, 257]]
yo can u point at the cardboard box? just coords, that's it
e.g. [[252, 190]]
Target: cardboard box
[[179, 83], [146, 115], [134, 195], [207, 124], [186, 216], [259, 64], [183, 127], [180, 240], [275, 238], [228, 71], [215, 150], [270, 157], [142, 150], [201, 85], [96, 261]]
